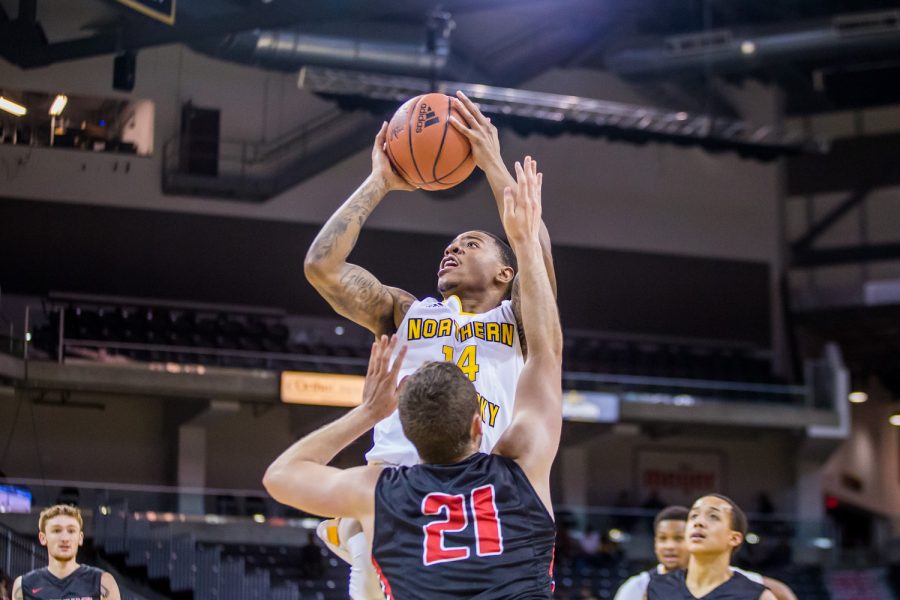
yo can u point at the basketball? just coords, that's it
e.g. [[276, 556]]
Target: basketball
[[424, 148]]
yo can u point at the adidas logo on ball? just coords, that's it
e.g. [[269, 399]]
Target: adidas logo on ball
[[426, 118]]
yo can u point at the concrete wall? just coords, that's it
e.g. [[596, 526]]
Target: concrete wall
[[752, 462], [874, 221], [870, 457], [599, 194]]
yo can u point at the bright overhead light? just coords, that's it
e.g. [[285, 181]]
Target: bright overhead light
[[894, 419], [748, 47], [752, 538], [11, 107], [858, 397], [59, 104]]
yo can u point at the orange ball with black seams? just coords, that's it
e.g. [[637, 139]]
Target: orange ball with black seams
[[424, 148]]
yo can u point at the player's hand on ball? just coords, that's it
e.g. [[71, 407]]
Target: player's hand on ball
[[479, 130], [522, 205], [380, 394], [381, 164]]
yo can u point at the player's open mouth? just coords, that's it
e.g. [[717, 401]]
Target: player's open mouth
[[698, 536], [447, 263]]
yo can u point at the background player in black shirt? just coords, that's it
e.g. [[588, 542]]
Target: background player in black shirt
[[464, 524], [671, 550], [61, 531], [715, 530]]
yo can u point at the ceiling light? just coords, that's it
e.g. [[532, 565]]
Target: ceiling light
[[748, 47], [858, 397], [894, 419], [59, 104], [11, 107]]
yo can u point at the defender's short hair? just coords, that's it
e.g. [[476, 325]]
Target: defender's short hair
[[60, 509], [437, 404], [670, 513]]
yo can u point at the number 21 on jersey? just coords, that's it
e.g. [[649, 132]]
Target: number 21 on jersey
[[452, 507], [467, 362]]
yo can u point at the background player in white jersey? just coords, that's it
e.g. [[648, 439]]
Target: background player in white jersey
[[670, 547], [475, 323]]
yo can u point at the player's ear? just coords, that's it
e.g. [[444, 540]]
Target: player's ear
[[476, 427], [81, 538], [506, 274], [42, 538], [735, 539]]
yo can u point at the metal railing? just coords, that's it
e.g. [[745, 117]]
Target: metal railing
[[816, 393], [18, 555]]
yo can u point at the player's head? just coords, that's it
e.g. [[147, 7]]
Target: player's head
[[439, 413], [476, 261], [61, 531], [668, 537], [715, 524]]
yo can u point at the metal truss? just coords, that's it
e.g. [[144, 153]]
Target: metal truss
[[574, 114]]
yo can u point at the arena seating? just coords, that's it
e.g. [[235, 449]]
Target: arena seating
[[141, 331]]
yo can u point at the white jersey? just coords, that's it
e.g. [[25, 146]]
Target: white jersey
[[635, 587], [485, 346]]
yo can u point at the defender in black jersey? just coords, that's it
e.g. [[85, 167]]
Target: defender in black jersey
[[715, 530], [60, 530], [673, 586], [464, 524]]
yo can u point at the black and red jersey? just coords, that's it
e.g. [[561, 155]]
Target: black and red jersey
[[474, 529], [82, 584], [673, 586]]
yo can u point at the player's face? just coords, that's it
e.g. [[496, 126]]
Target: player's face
[[62, 535], [669, 545], [471, 260], [709, 527]]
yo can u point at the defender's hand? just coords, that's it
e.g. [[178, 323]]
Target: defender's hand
[[477, 128], [380, 395], [381, 164], [522, 206]]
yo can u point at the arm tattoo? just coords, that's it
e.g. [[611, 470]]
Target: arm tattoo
[[104, 592], [362, 294], [357, 210]]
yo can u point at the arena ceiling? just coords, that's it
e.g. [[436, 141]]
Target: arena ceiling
[[504, 43]]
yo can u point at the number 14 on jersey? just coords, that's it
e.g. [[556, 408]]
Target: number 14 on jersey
[[467, 361]]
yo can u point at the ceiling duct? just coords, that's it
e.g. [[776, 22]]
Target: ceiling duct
[[289, 50], [727, 52]]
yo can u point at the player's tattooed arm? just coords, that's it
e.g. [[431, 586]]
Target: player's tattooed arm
[[109, 589], [17, 593], [351, 290]]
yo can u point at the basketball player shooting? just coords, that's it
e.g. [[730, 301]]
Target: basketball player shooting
[[464, 523], [476, 323]]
